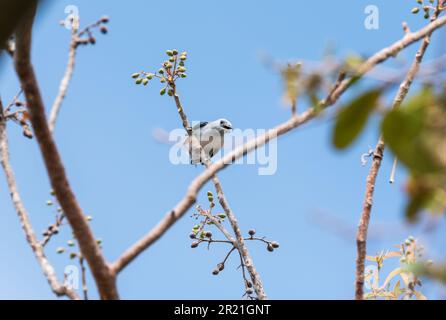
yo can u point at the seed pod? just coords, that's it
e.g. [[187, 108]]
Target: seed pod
[[145, 81], [215, 272], [105, 19], [194, 244], [163, 91], [275, 244], [415, 10], [169, 53], [269, 247], [138, 81], [220, 266], [251, 232]]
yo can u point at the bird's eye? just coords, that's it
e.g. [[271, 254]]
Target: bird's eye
[[222, 123]]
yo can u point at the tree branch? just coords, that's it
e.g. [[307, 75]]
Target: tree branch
[[48, 270], [104, 278], [74, 43], [195, 186], [361, 236]]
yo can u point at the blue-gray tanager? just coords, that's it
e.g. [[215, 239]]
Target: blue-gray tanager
[[211, 138]]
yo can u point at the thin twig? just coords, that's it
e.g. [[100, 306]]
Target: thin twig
[[103, 276], [48, 270], [52, 230], [258, 286], [195, 186], [361, 236], [242, 248], [67, 76], [393, 171], [84, 277]]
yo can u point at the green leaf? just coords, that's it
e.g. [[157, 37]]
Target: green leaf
[[416, 203], [397, 289], [353, 117], [403, 130]]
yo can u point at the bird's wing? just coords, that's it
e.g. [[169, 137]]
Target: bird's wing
[[199, 125]]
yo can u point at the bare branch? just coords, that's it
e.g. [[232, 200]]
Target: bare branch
[[361, 236], [242, 248], [67, 76], [104, 278], [48, 270]]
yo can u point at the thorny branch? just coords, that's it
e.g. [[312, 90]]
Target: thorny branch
[[361, 236]]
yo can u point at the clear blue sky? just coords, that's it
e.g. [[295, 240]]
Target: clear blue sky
[[123, 177]]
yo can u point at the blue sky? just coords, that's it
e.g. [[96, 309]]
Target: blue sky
[[123, 177]]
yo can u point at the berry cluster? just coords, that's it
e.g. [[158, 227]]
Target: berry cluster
[[428, 9], [171, 69], [200, 235]]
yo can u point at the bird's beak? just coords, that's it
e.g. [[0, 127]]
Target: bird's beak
[[227, 127]]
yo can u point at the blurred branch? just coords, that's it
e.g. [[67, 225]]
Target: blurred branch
[[105, 280], [361, 237], [11, 13], [48, 270]]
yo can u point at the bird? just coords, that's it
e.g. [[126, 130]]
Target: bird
[[211, 138]]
